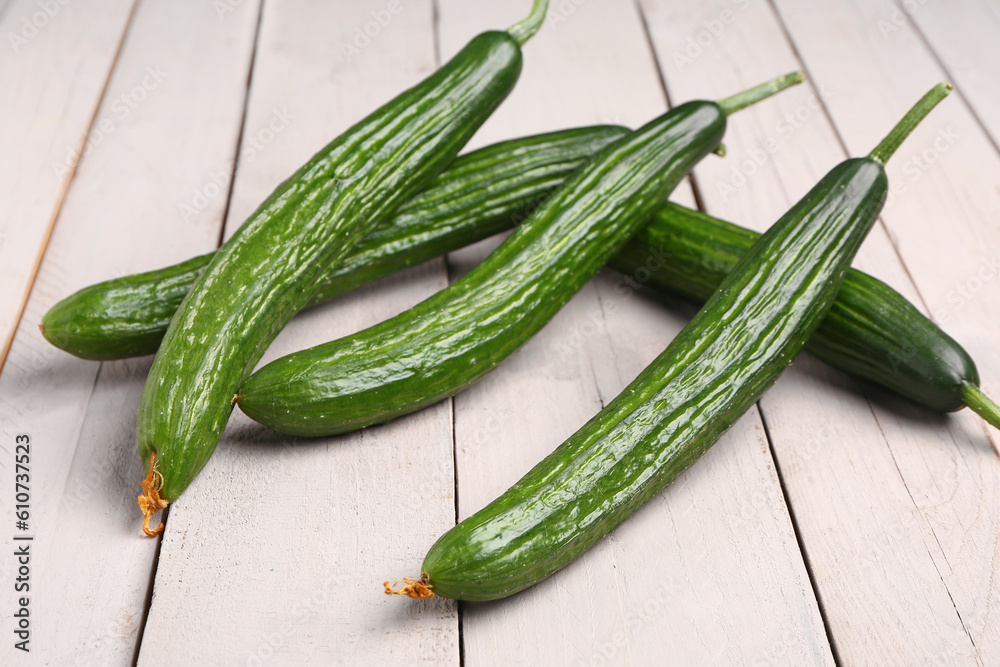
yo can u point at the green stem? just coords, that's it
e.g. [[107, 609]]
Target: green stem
[[912, 118], [981, 404], [525, 30], [734, 103]]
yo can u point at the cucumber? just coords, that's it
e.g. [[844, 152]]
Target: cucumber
[[738, 344], [456, 336], [871, 331], [480, 194], [270, 268]]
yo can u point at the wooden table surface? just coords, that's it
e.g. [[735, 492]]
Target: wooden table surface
[[835, 524]]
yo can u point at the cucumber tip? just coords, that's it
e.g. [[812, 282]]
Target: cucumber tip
[[417, 589], [150, 501]]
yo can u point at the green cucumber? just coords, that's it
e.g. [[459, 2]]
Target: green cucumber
[[450, 340], [871, 331], [273, 264], [709, 375], [480, 194]]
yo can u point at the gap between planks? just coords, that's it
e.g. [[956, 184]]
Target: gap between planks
[[225, 213], [243, 123], [825, 110], [67, 182], [942, 63], [696, 188]]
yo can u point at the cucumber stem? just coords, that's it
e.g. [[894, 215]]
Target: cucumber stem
[[524, 30], [734, 103], [981, 404], [888, 146]]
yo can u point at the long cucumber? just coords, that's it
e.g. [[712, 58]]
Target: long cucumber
[[871, 331], [709, 375], [270, 268]]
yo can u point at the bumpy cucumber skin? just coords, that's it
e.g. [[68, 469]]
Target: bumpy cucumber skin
[[734, 348], [450, 340], [480, 194], [871, 330], [273, 264], [124, 317]]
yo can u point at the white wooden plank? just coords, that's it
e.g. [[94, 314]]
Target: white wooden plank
[[304, 532], [171, 115], [874, 551], [684, 580], [913, 523], [944, 226], [52, 73], [852, 600], [966, 43]]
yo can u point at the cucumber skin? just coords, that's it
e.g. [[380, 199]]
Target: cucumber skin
[[708, 376], [123, 317], [453, 338], [269, 269], [871, 331], [480, 194]]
